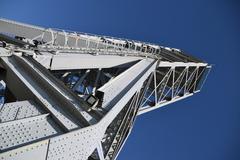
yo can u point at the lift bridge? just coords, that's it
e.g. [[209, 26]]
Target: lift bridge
[[74, 96]]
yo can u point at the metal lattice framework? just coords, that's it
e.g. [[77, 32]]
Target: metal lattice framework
[[69, 95]]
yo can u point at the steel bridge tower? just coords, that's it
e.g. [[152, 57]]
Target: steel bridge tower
[[75, 96]]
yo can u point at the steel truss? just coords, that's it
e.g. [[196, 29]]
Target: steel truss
[[72, 95]]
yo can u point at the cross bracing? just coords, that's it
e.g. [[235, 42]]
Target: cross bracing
[[72, 95]]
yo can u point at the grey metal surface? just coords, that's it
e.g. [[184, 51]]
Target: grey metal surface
[[75, 145], [86, 61], [19, 110], [19, 132], [81, 61], [36, 151]]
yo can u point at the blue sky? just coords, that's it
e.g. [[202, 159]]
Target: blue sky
[[203, 127]]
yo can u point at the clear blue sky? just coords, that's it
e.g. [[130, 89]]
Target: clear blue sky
[[203, 127]]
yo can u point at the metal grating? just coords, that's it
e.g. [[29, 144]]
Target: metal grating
[[19, 132], [19, 110], [39, 150]]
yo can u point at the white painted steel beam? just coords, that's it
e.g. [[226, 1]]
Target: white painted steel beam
[[116, 86], [87, 61], [181, 64], [53, 121], [146, 109]]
